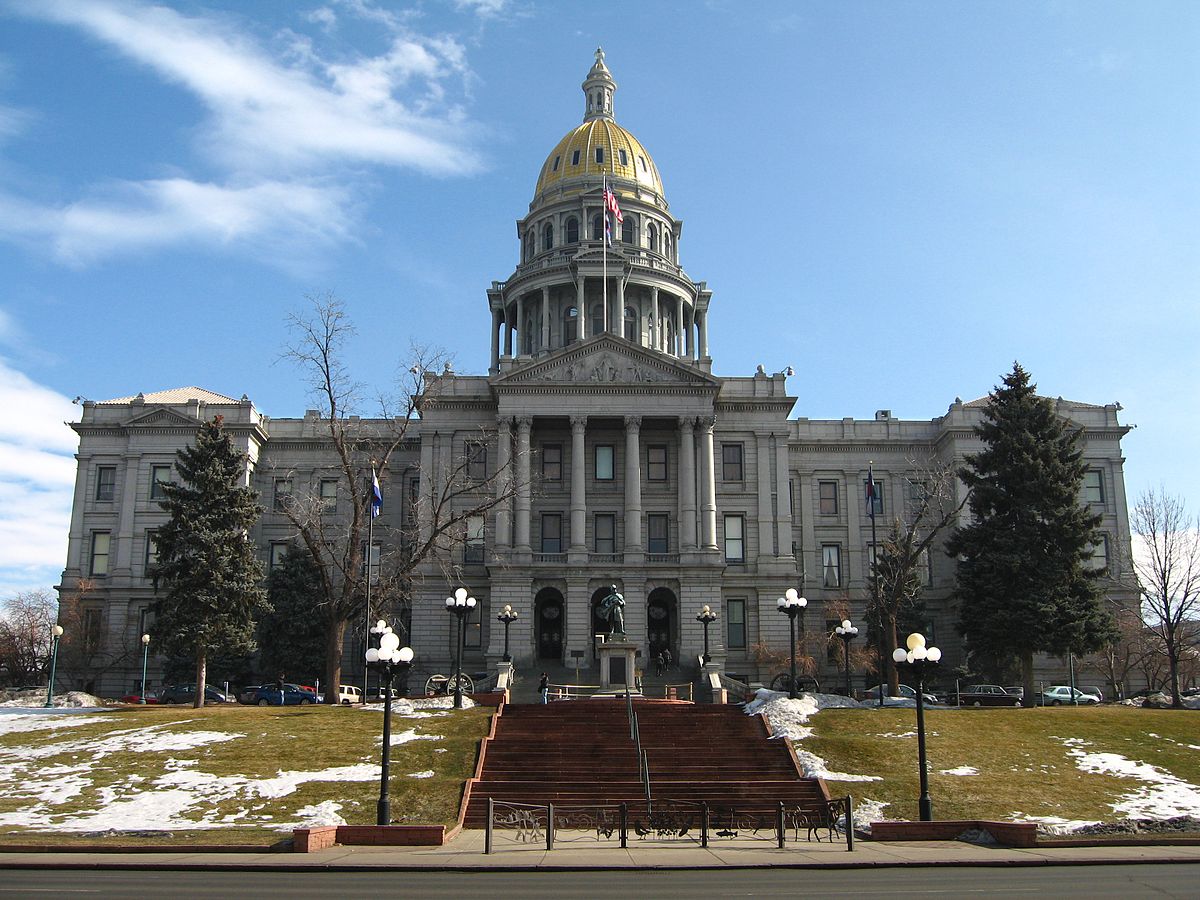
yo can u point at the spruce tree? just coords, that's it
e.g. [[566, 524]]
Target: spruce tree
[[1024, 584], [206, 560], [291, 636]]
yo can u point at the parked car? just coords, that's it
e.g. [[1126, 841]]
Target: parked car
[[1061, 694], [271, 695], [1094, 692], [906, 692], [1015, 689], [985, 695], [186, 693], [348, 694], [136, 697]]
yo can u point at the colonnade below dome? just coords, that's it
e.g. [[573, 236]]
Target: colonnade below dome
[[550, 317]]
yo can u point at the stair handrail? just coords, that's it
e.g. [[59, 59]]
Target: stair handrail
[[635, 735]]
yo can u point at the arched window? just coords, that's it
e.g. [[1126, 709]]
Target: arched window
[[627, 230], [630, 324], [598, 227], [547, 236], [652, 237], [668, 336], [667, 244], [570, 325], [572, 230], [527, 246], [529, 335], [597, 319]]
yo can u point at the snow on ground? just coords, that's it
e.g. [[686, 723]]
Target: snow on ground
[[1161, 796], [26, 720], [1053, 825], [36, 697], [415, 707], [428, 773], [325, 813], [403, 737], [787, 719], [960, 770]]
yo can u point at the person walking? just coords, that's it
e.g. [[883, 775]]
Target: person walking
[[544, 688], [660, 663], [666, 654]]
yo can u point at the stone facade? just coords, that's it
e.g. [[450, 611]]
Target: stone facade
[[633, 464]]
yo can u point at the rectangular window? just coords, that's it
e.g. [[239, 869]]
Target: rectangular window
[[151, 552], [552, 456], [878, 497], [414, 497], [657, 540], [278, 551], [375, 560], [731, 462], [93, 628], [735, 540], [599, 154], [925, 567], [473, 548], [101, 546], [476, 461], [604, 462], [473, 628], [833, 646], [622, 156], [329, 488], [551, 533], [735, 624], [606, 533], [106, 483], [1093, 486], [656, 462], [872, 557], [159, 475], [831, 565], [575, 158], [283, 493], [1099, 558], [554, 168], [144, 619], [828, 492]]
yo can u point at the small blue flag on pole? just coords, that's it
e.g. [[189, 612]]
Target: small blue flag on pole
[[376, 495], [871, 493]]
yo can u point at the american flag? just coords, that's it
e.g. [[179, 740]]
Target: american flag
[[610, 203]]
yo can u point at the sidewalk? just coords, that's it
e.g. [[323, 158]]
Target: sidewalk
[[466, 853]]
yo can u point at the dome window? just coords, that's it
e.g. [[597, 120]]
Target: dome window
[[600, 154], [622, 157], [547, 236], [630, 324], [598, 227], [575, 158], [652, 237], [570, 325], [627, 230], [554, 168], [642, 160], [572, 230], [598, 319]]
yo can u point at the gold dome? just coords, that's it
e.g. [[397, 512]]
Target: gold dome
[[599, 146]]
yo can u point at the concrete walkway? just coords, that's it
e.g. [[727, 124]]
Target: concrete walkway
[[581, 851]]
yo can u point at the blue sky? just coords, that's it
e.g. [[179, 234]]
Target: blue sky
[[896, 199]]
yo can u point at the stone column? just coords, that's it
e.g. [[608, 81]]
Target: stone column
[[690, 344], [766, 537], [704, 334], [121, 548], [687, 483], [520, 324], [425, 488], [619, 312], [783, 492], [581, 326], [504, 467], [677, 350], [656, 325], [545, 319], [77, 542], [578, 484], [708, 480], [508, 335], [524, 426], [496, 340], [633, 484]]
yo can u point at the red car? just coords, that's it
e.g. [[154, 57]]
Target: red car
[[151, 697]]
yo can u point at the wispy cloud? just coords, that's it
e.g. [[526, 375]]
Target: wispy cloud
[[289, 126]]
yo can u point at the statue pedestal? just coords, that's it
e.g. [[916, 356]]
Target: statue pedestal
[[617, 660]]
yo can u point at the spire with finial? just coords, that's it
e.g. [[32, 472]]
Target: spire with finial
[[598, 90]]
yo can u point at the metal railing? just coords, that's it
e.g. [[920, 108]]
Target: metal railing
[[635, 735]]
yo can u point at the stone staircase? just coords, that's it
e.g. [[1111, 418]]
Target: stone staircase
[[579, 753]]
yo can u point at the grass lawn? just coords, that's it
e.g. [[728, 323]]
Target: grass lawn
[[1022, 757], [245, 772]]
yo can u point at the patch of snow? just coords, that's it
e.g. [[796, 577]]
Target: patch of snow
[[325, 813], [428, 773], [814, 767], [1164, 796], [35, 698], [898, 734], [403, 737], [414, 707], [960, 770], [1052, 825], [867, 811], [13, 722]]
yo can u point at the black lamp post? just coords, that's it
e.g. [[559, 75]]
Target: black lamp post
[[847, 633], [508, 615], [460, 606], [389, 659], [921, 658], [145, 656], [792, 604], [56, 633], [706, 618]]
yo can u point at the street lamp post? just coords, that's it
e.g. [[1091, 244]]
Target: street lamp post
[[508, 615], [55, 634], [792, 604], [460, 606], [706, 618], [847, 633], [920, 658], [389, 659], [145, 656]]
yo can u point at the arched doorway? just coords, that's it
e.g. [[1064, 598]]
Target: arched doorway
[[662, 623], [550, 627]]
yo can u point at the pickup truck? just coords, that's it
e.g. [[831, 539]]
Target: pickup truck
[[983, 695]]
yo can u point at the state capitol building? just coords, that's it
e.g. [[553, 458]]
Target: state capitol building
[[633, 463]]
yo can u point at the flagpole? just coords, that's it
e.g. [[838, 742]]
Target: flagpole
[[370, 547], [875, 584]]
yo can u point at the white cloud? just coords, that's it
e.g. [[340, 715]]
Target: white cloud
[[37, 476]]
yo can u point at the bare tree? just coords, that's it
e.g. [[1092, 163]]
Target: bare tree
[[904, 552], [337, 542], [86, 649], [1123, 656], [1168, 572], [25, 622]]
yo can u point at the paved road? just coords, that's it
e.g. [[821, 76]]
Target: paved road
[[1123, 881]]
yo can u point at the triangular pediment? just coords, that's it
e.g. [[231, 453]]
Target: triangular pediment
[[607, 360], [160, 417]]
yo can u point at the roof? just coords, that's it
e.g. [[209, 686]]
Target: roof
[[984, 401], [612, 139], [174, 395]]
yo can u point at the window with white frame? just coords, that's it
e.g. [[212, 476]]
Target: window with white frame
[[278, 551], [735, 538], [735, 624], [831, 565], [1093, 486], [101, 547]]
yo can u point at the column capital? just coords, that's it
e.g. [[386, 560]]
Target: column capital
[[524, 424], [633, 423], [687, 423], [707, 423], [579, 423], [505, 423]]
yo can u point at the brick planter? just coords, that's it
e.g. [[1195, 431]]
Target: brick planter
[[310, 840], [1010, 834]]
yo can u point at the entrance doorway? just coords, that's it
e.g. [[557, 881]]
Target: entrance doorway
[[549, 625], [661, 623]]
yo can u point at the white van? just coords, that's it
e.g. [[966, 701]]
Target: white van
[[349, 694]]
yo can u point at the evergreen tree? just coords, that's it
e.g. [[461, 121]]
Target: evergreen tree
[[1024, 583], [291, 637], [206, 561]]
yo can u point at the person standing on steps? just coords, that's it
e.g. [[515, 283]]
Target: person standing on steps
[[660, 663], [544, 688], [666, 655]]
